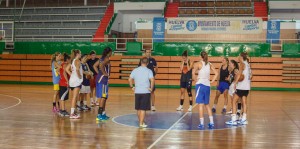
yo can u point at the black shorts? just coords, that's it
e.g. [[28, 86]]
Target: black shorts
[[63, 93], [142, 101], [186, 84], [72, 88], [242, 93]]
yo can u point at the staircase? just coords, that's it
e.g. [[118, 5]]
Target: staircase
[[261, 10], [99, 35], [171, 10]]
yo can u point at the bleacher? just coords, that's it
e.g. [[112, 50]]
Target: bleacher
[[215, 8], [66, 23]]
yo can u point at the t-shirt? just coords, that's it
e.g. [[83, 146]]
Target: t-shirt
[[151, 65], [141, 76], [91, 63], [85, 82]]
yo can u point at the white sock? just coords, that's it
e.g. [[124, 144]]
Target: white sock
[[103, 112], [214, 106], [211, 119], [239, 111], [85, 102], [225, 106], [202, 121], [78, 103], [233, 117], [244, 116], [72, 110]]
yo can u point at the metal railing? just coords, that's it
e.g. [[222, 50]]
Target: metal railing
[[148, 42]]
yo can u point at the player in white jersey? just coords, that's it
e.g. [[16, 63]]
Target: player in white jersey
[[75, 81], [203, 88], [242, 90]]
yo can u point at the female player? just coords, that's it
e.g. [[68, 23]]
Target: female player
[[75, 80], [186, 80], [242, 90], [85, 88], [222, 85], [63, 85], [203, 87], [55, 66], [102, 68], [234, 70]]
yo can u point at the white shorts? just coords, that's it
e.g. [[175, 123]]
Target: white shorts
[[85, 89], [231, 90]]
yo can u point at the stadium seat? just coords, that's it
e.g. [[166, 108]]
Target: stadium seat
[[133, 48]]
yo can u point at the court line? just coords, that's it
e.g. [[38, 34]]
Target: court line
[[168, 130], [20, 101]]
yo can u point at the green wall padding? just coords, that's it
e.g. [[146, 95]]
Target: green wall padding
[[2, 46], [291, 50], [213, 49], [51, 47]]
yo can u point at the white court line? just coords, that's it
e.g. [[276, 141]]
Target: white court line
[[20, 101], [167, 131]]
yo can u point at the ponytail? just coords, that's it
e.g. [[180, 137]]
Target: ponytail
[[74, 52], [204, 57]]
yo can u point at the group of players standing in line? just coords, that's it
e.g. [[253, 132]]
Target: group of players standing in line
[[90, 76]]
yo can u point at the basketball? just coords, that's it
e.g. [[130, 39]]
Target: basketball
[[241, 78]]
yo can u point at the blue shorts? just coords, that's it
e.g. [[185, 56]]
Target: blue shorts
[[222, 87], [101, 90], [202, 94]]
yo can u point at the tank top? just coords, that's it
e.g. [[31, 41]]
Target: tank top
[[55, 75], [75, 81], [224, 74], [185, 74], [85, 82], [63, 81], [100, 77], [204, 74], [245, 84]]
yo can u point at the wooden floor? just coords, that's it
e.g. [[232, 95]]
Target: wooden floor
[[26, 121]]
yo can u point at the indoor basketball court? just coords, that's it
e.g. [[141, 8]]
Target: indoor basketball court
[[105, 60]]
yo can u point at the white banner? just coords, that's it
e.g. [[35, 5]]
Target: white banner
[[245, 25]]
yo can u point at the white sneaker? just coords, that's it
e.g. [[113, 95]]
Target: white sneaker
[[243, 122], [190, 109], [143, 125], [179, 108], [153, 108]]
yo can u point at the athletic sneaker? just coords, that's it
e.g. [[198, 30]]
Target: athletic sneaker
[[101, 117], [105, 116], [190, 109], [229, 112], [211, 125], [234, 123], [54, 110], [66, 113], [180, 108], [153, 108], [80, 108], [224, 111], [86, 108], [143, 125], [61, 113], [243, 122], [92, 103], [74, 116], [200, 126], [213, 110]]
